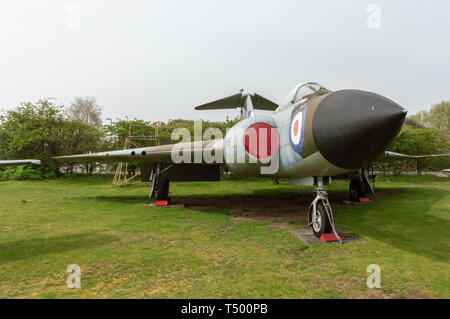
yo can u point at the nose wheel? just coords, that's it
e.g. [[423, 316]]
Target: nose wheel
[[320, 222], [320, 214]]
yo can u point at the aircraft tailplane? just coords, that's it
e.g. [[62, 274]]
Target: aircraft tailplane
[[247, 102]]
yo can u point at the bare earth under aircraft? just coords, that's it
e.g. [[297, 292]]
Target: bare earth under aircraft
[[313, 135]]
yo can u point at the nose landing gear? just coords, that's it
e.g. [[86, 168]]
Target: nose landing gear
[[320, 214]]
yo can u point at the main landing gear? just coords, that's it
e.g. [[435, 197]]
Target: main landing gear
[[360, 186], [159, 184], [320, 213], [357, 190]]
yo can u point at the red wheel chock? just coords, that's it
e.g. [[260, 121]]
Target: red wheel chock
[[328, 237], [162, 203], [364, 200]]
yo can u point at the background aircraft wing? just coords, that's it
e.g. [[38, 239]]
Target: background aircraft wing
[[394, 155], [19, 162], [152, 154]]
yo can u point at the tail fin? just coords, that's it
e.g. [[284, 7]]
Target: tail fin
[[248, 107]]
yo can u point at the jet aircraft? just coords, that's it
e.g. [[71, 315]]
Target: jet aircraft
[[313, 135]]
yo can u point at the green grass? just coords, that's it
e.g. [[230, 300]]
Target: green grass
[[126, 249]]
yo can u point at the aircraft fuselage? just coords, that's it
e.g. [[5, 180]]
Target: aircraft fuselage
[[327, 135]]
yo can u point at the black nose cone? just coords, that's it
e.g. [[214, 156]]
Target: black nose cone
[[351, 128]]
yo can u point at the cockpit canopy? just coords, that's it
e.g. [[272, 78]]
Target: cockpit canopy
[[300, 93]]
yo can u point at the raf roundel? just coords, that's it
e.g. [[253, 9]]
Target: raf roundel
[[296, 130]]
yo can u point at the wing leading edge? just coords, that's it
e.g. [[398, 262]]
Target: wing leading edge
[[153, 154], [19, 162]]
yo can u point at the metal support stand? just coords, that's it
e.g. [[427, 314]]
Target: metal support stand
[[322, 196]]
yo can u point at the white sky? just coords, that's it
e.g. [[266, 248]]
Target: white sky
[[156, 60]]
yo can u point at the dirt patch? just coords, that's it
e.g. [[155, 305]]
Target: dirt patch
[[347, 236], [115, 198], [286, 208], [291, 207]]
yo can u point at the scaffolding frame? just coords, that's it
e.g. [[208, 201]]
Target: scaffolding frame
[[121, 173]]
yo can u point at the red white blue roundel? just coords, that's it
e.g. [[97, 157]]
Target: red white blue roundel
[[296, 128]]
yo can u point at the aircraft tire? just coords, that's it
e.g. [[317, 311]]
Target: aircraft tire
[[322, 224], [163, 189], [357, 190]]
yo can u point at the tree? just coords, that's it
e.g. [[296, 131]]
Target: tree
[[417, 120], [437, 117], [85, 110], [119, 130], [421, 141], [80, 138], [167, 130], [32, 131], [41, 130]]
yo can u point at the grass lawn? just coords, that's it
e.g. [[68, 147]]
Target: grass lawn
[[128, 250]]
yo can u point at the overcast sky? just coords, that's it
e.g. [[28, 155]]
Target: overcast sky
[[156, 60]]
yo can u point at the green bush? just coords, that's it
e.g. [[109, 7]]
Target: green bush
[[25, 173]]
